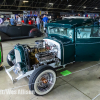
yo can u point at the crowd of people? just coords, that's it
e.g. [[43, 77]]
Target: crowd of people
[[37, 21], [12, 21]]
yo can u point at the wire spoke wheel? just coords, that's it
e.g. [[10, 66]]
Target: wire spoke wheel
[[42, 80], [45, 82]]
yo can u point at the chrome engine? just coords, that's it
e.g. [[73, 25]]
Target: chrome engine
[[26, 57], [47, 56], [44, 57]]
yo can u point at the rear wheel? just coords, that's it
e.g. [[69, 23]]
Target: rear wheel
[[42, 80], [31, 34]]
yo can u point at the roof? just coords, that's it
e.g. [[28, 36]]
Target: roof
[[71, 22], [51, 5], [76, 17]]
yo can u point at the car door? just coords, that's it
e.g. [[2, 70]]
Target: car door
[[87, 45], [26, 29], [69, 52], [14, 31]]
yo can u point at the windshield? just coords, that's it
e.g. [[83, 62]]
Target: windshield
[[68, 32]]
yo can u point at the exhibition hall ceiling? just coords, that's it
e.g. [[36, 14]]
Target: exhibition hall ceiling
[[51, 5]]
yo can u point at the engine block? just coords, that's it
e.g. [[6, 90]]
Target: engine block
[[46, 56]]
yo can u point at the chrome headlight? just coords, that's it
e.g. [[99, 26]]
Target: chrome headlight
[[9, 57], [17, 68], [20, 67]]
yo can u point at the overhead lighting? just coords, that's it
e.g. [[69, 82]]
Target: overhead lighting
[[25, 1], [69, 5], [96, 8], [50, 3], [84, 7]]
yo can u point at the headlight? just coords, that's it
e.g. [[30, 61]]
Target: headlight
[[9, 57], [17, 68], [20, 68]]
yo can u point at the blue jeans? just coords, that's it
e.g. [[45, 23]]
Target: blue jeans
[[44, 24], [38, 26]]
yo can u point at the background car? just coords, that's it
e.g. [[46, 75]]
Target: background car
[[8, 32]]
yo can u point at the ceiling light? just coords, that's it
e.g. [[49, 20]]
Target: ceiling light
[[25, 1], [69, 5], [84, 7], [50, 3], [96, 8]]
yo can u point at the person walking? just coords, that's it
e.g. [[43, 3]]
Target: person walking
[[26, 20], [30, 18], [12, 21], [38, 22], [45, 20], [19, 21], [33, 19]]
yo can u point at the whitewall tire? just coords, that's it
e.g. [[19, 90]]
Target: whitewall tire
[[43, 81]]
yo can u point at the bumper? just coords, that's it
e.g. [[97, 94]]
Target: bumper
[[20, 76]]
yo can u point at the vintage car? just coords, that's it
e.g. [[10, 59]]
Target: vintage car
[[68, 41], [8, 32]]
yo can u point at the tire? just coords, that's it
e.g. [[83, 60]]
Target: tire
[[1, 68], [10, 62], [42, 71], [31, 34]]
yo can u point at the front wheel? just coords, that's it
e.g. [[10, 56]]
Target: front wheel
[[1, 68], [42, 80]]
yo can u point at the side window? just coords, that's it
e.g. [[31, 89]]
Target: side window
[[95, 32], [88, 32], [83, 32], [61, 31]]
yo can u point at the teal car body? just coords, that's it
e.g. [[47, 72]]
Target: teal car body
[[68, 40], [79, 39]]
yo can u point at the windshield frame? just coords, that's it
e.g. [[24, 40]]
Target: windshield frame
[[62, 35]]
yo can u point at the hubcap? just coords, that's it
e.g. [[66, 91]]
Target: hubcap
[[45, 82]]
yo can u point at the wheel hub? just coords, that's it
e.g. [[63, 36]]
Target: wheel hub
[[44, 80]]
